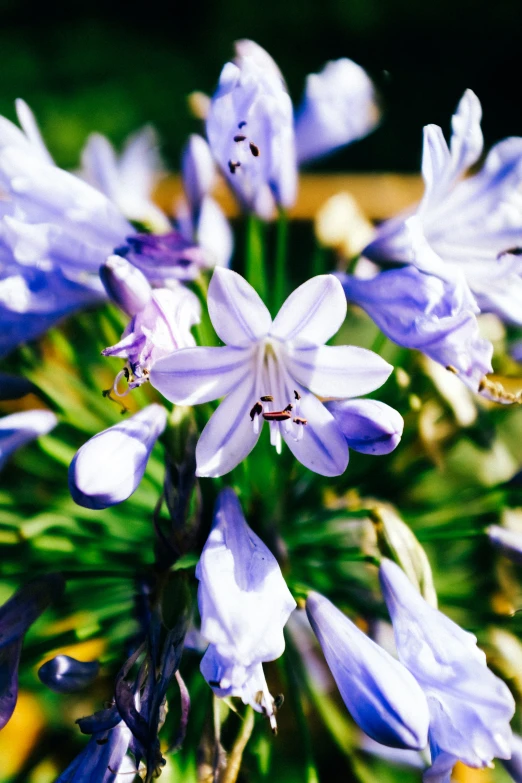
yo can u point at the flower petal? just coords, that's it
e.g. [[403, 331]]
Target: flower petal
[[229, 435], [237, 312], [312, 313], [337, 370], [323, 447], [369, 426], [194, 375]]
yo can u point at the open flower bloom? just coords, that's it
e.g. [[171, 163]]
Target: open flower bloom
[[160, 324], [339, 106], [128, 180], [470, 708], [244, 605], [17, 429], [250, 128], [271, 371], [108, 468], [16, 616], [471, 224], [380, 693], [428, 307]]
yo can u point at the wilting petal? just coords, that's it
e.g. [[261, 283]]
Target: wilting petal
[[337, 370], [17, 429], [237, 312], [379, 692], [125, 285], [339, 106], [323, 447], [229, 435], [108, 468], [312, 314], [196, 375], [369, 426], [64, 674], [470, 708]]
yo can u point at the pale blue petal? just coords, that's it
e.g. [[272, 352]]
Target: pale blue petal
[[312, 314], [237, 312]]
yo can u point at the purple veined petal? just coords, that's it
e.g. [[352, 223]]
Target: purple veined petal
[[198, 170], [369, 426], [64, 674], [17, 429], [30, 127], [9, 663], [312, 314], [108, 468], [195, 375], [125, 284], [27, 604], [322, 447], [379, 692], [337, 370], [229, 435], [237, 312]]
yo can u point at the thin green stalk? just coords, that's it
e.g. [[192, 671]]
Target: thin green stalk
[[281, 261], [255, 256]]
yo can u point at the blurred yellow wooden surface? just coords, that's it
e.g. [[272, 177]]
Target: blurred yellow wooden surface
[[379, 195]]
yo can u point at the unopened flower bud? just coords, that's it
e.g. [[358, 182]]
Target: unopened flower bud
[[369, 426], [64, 674], [126, 285], [108, 468], [198, 170]]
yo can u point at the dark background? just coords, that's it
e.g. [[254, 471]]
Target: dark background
[[113, 66]]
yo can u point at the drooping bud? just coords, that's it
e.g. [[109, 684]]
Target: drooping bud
[[17, 429], [126, 285], [379, 692], [369, 426], [108, 468], [64, 674]]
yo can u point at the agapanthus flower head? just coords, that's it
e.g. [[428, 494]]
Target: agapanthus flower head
[[64, 674], [17, 429], [471, 223], [16, 616], [162, 325], [339, 106], [250, 129], [380, 693], [244, 605], [271, 371], [470, 708], [108, 468]]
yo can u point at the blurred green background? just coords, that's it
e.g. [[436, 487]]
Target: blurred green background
[[115, 66]]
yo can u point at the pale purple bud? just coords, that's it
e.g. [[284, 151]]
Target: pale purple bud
[[64, 674], [108, 468], [126, 285], [379, 692], [508, 542], [17, 429], [198, 171], [369, 426]]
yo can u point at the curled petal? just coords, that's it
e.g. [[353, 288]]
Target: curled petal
[[108, 468], [64, 674], [196, 375], [312, 314], [237, 312], [369, 426]]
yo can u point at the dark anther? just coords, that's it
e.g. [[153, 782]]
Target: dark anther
[[452, 369], [242, 124], [297, 395], [126, 373], [299, 420], [289, 407], [233, 166], [277, 416], [254, 149], [257, 410], [239, 137], [102, 741], [279, 701], [267, 398], [214, 683], [514, 251]]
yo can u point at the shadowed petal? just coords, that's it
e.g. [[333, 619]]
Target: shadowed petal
[[237, 312], [312, 314], [196, 375]]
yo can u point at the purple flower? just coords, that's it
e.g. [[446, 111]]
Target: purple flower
[[64, 674], [16, 616], [104, 759], [369, 426], [271, 370], [470, 708], [339, 106], [108, 468], [379, 692], [17, 429], [244, 604], [471, 223]]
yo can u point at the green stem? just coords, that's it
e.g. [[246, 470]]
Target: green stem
[[255, 256], [379, 342], [280, 262]]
